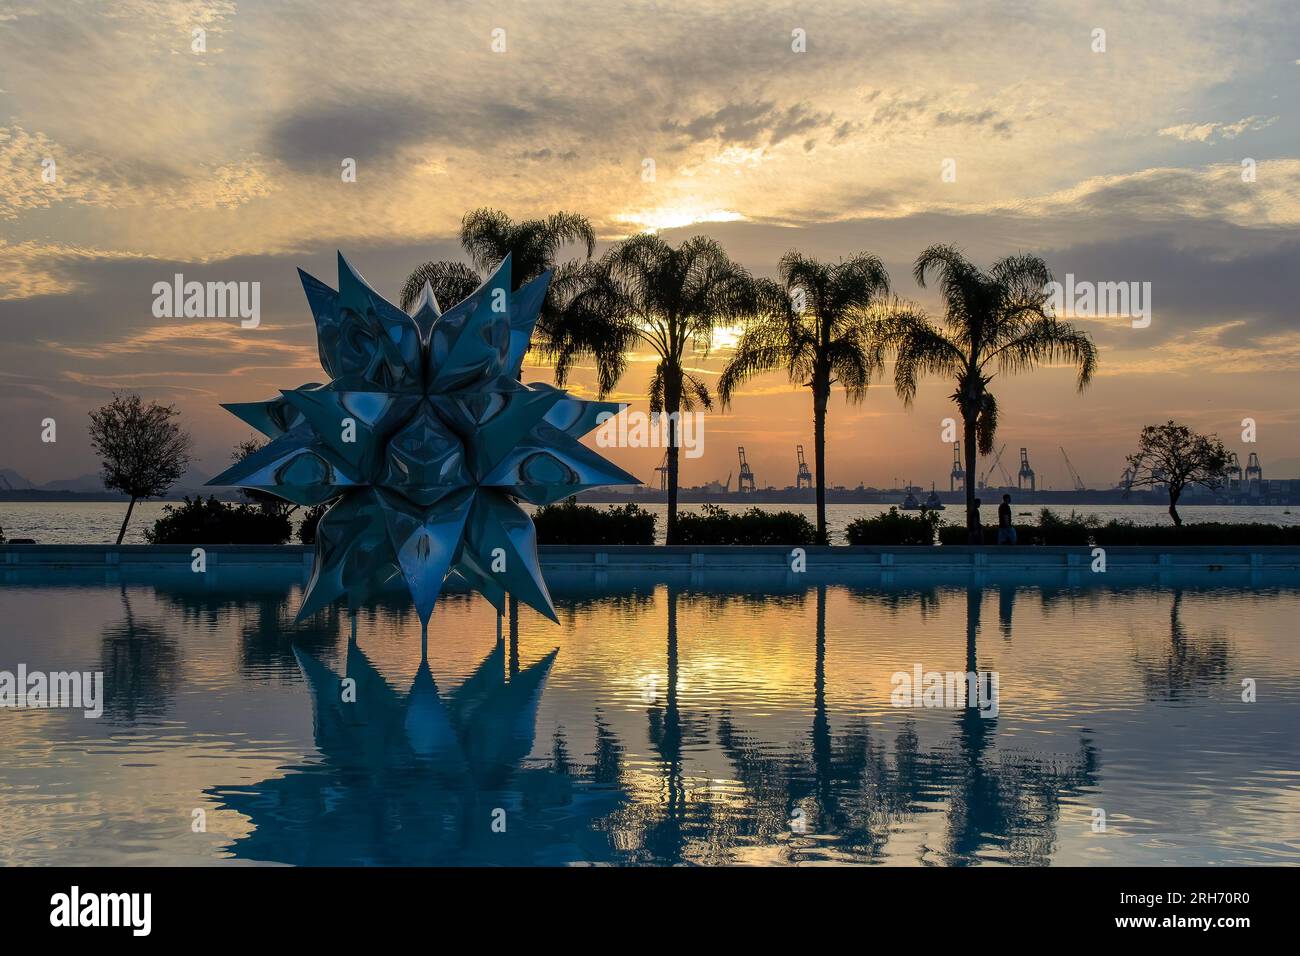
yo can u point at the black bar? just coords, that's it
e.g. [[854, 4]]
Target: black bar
[[255, 906]]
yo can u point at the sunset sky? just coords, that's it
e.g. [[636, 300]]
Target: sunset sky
[[224, 164]]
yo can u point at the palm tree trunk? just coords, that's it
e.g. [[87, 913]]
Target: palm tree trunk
[[820, 396], [672, 405], [968, 452], [672, 483], [122, 531]]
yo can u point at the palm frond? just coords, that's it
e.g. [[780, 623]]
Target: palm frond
[[451, 281], [695, 392], [487, 235], [986, 423], [919, 349], [1048, 340]]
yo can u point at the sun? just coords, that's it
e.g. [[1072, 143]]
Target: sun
[[676, 217]]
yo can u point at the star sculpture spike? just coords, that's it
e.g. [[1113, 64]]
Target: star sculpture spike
[[425, 441]]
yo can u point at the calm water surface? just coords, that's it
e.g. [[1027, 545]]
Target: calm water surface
[[657, 724]]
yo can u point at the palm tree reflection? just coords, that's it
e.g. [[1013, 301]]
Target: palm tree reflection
[[676, 820], [1000, 799], [850, 795], [840, 786]]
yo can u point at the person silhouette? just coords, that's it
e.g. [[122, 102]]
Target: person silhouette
[[1006, 530]]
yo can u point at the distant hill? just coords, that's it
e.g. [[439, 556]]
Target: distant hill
[[10, 480], [15, 486], [82, 484]]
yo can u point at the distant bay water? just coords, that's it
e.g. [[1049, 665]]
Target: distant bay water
[[97, 522]]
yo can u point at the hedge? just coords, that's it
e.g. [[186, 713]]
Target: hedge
[[571, 523], [210, 521], [893, 527], [716, 525], [1078, 531]]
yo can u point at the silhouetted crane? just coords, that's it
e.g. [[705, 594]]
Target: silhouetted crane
[[1026, 473], [996, 463], [1074, 475], [803, 478], [1234, 471], [746, 480], [1254, 472]]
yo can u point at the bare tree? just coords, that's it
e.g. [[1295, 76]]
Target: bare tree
[[1175, 456], [142, 448]]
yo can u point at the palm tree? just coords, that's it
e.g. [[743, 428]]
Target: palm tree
[[817, 326], [995, 321], [568, 326], [451, 282], [672, 299]]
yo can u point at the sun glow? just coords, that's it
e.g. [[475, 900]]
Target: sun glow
[[675, 217], [725, 337]]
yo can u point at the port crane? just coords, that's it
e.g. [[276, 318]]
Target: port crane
[[1234, 471], [1254, 472], [746, 481], [802, 479], [1074, 475], [957, 477], [1026, 473], [996, 463], [662, 469]]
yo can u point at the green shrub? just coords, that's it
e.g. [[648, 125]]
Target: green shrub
[[211, 521], [716, 525], [1055, 530], [1117, 533], [1079, 531], [571, 523], [893, 527]]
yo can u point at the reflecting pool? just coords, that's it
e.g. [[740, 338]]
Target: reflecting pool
[[684, 723]]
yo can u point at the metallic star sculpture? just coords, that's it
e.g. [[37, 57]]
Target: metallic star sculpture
[[426, 441]]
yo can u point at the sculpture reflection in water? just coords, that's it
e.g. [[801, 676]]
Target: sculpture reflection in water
[[419, 777]]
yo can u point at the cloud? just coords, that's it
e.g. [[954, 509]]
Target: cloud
[[85, 178], [989, 118], [1213, 132], [227, 164], [752, 124]]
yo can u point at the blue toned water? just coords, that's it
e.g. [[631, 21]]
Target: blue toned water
[[655, 725]]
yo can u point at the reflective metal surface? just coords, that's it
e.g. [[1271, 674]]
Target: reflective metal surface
[[426, 441]]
